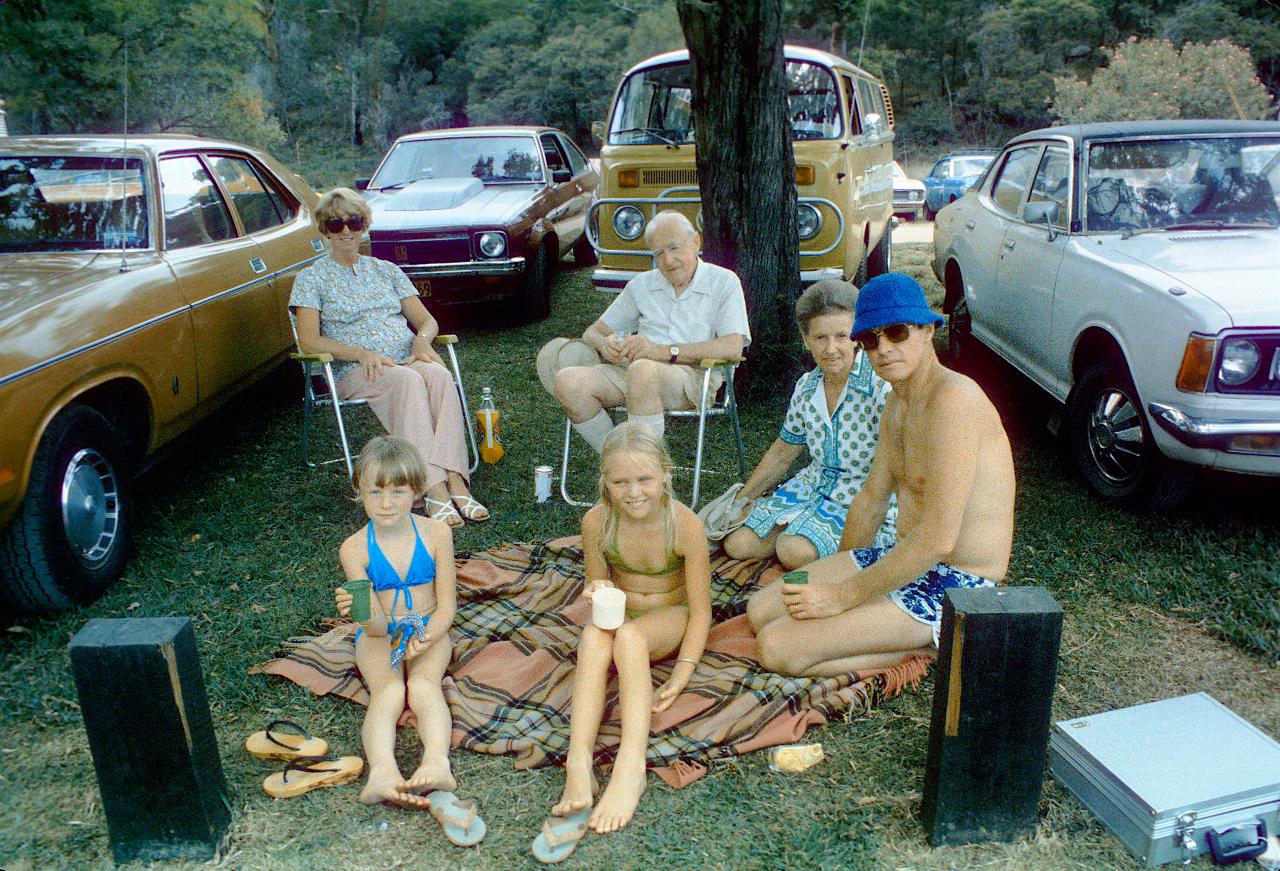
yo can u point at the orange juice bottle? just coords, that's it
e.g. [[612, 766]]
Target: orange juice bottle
[[487, 429]]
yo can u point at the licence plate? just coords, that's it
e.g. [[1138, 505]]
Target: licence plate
[[423, 285]]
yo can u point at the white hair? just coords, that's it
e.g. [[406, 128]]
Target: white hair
[[669, 217]]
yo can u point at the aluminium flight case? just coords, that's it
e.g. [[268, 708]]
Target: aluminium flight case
[[1159, 776]]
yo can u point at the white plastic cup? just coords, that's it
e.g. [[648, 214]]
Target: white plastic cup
[[608, 607], [542, 483]]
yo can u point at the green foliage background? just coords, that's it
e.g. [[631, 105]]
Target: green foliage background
[[327, 84]]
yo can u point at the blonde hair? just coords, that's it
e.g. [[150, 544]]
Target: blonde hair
[[339, 203], [387, 461], [632, 437]]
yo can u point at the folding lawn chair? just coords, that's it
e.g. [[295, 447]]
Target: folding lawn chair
[[724, 404], [320, 390]]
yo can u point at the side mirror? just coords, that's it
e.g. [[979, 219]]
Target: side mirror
[[362, 184], [597, 132], [560, 176], [1041, 212]]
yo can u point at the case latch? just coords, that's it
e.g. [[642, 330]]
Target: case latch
[[1184, 835]]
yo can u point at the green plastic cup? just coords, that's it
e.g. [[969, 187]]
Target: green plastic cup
[[360, 592], [799, 576]]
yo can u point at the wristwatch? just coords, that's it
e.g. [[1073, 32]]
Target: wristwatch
[[675, 352]]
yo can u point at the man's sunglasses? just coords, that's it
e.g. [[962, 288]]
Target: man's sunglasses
[[355, 224], [895, 333]]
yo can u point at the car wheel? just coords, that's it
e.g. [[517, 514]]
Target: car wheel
[[1111, 444], [583, 253], [959, 333], [67, 542], [880, 260], [929, 214], [537, 285]]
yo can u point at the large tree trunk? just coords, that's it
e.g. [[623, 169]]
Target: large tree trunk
[[746, 169]]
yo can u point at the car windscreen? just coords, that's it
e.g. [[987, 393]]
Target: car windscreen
[[492, 159], [963, 167], [654, 105], [72, 203], [1183, 182]]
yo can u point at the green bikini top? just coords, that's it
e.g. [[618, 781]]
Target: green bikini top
[[614, 558]]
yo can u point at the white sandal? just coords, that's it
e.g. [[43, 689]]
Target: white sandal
[[445, 512], [469, 508]]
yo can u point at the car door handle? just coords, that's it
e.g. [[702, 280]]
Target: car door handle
[[1009, 243], [257, 266]]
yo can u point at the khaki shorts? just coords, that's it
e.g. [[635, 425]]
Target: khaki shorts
[[682, 391]]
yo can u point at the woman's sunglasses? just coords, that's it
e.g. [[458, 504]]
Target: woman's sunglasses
[[355, 224], [895, 333]]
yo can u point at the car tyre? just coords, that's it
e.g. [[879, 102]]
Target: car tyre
[[959, 334], [1110, 443], [929, 214], [583, 253], [68, 541], [537, 285], [880, 260]]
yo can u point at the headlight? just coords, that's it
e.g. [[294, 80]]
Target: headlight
[[628, 223], [808, 221], [493, 244], [1240, 358]]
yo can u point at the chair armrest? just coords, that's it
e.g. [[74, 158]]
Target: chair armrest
[[445, 339], [312, 358], [713, 362]]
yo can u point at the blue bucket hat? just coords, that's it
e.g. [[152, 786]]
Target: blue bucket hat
[[892, 298]]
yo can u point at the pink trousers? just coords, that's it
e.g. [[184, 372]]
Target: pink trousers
[[418, 403]]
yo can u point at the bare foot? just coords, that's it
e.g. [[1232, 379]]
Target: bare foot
[[431, 774], [618, 804], [385, 785], [580, 790]]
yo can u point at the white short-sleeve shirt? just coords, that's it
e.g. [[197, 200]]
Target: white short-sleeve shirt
[[711, 306]]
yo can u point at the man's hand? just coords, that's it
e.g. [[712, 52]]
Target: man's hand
[[373, 363], [671, 690], [343, 600], [812, 601], [423, 350], [609, 348], [637, 347]]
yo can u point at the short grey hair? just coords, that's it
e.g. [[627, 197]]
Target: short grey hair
[[823, 298], [670, 217]]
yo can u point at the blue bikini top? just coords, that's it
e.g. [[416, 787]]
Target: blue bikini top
[[383, 576]]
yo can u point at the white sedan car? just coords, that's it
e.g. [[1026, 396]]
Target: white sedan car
[[1132, 270], [908, 194]]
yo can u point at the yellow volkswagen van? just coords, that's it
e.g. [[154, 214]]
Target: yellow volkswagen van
[[842, 123]]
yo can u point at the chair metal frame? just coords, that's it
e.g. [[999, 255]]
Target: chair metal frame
[[320, 365], [709, 406]]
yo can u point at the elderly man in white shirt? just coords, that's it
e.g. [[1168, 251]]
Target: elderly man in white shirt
[[664, 320]]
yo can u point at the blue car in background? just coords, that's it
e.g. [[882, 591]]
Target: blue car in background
[[952, 175]]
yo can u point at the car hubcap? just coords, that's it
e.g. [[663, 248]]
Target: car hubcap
[[90, 506], [1115, 437]]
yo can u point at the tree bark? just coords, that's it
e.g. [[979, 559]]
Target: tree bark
[[746, 170]]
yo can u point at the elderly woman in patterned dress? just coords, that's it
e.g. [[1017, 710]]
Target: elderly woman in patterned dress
[[835, 412], [355, 307]]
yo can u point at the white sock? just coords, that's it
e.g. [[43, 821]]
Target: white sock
[[655, 422], [595, 431]]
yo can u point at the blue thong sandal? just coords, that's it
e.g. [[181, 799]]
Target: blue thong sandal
[[459, 820], [560, 836]]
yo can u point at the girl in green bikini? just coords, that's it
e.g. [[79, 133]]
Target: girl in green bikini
[[643, 541]]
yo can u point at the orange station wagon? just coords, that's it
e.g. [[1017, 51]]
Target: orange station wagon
[[142, 284]]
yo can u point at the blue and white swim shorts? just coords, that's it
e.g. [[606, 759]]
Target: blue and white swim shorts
[[922, 598]]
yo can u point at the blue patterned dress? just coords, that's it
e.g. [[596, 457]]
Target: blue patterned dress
[[816, 501]]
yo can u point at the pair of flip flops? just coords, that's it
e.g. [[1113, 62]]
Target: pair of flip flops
[[560, 836], [285, 740], [308, 764]]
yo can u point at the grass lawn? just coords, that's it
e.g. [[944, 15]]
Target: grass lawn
[[234, 533]]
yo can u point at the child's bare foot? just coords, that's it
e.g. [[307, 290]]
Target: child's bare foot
[[580, 790], [431, 774], [385, 785], [618, 804]]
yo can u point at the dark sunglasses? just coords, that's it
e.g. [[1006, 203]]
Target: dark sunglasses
[[355, 224], [895, 333]]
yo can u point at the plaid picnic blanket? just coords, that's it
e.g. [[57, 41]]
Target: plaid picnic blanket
[[515, 636]]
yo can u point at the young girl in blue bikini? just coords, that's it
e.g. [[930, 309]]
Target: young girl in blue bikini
[[404, 648], [641, 540]]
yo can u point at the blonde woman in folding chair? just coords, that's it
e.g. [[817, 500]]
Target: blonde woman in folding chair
[[355, 307], [834, 413]]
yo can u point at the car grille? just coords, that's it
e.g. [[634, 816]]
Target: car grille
[[435, 248], [668, 177], [908, 195], [1266, 381]]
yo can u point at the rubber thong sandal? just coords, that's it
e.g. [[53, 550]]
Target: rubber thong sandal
[[470, 508], [560, 836], [445, 513], [459, 820], [306, 773], [273, 744]]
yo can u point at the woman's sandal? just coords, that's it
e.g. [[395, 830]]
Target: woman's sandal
[[469, 508], [306, 773], [459, 820], [273, 744], [445, 513], [560, 836]]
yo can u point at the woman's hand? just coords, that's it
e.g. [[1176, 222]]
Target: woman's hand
[[671, 690], [424, 351], [813, 601], [599, 584], [343, 600], [373, 363]]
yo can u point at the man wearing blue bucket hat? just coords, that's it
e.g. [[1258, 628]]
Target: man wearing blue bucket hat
[[944, 453]]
